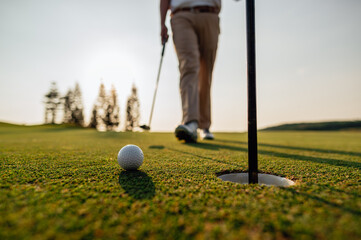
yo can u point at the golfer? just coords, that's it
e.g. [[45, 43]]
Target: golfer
[[195, 27]]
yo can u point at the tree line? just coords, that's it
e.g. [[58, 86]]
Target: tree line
[[105, 114]]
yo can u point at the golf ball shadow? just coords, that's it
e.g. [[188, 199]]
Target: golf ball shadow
[[137, 184]]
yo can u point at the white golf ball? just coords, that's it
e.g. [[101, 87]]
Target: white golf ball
[[130, 157]]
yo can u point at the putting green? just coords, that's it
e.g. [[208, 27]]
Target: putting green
[[65, 183]]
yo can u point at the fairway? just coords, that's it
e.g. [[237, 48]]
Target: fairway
[[65, 183]]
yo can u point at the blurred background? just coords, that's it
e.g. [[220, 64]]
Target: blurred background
[[308, 60]]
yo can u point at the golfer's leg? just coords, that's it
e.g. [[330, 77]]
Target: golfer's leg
[[209, 31], [186, 45]]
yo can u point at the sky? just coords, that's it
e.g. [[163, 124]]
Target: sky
[[308, 60]]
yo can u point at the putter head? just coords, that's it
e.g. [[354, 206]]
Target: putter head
[[145, 127]]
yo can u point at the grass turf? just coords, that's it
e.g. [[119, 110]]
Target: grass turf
[[65, 183]]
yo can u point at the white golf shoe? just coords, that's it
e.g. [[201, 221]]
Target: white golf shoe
[[187, 132], [206, 134]]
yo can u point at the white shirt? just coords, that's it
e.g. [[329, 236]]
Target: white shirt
[[174, 4]]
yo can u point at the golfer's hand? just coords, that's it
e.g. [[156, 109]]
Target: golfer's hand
[[164, 34]]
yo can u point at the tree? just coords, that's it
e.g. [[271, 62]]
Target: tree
[[101, 105], [94, 118], [73, 106], [52, 102], [77, 108], [105, 113], [67, 106], [132, 110], [99, 109], [111, 118]]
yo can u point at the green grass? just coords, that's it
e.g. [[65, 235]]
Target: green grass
[[65, 183], [318, 126]]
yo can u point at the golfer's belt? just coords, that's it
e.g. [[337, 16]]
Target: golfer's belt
[[199, 9]]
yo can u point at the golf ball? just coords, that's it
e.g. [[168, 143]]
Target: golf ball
[[130, 157]]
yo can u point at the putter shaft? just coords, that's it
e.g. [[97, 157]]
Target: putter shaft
[[156, 86]]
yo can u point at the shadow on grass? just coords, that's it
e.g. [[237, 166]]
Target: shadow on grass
[[159, 147], [357, 154], [354, 194], [207, 158], [329, 161], [324, 201], [137, 184]]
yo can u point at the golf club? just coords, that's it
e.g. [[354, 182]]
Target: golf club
[[147, 127]]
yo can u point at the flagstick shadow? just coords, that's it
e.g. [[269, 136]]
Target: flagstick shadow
[[324, 201], [207, 158], [357, 154], [329, 161]]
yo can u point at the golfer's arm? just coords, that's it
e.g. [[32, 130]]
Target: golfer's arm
[[164, 6]]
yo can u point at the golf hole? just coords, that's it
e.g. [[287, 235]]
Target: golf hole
[[263, 179]]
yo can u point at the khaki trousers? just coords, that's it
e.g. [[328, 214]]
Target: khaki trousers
[[195, 37]]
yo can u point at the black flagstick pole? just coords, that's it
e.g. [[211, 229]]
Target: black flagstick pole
[[252, 106]]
